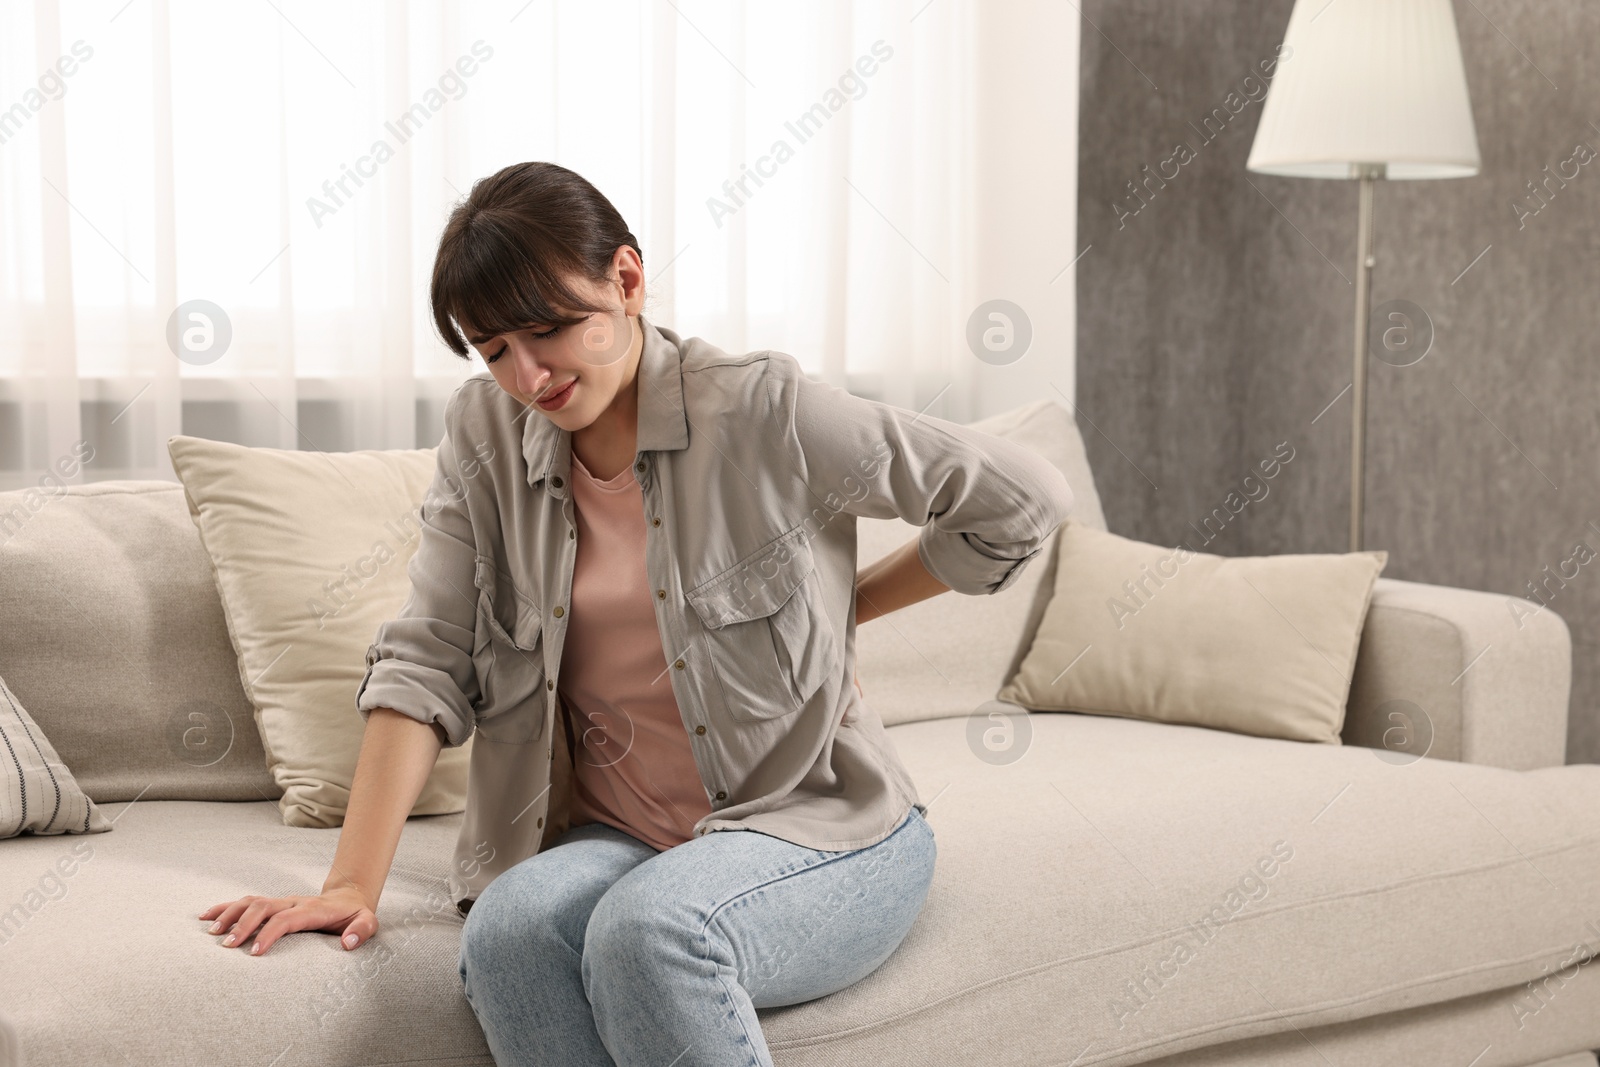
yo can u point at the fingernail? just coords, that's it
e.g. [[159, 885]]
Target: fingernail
[[230, 939], [216, 927], [255, 949], [350, 940]]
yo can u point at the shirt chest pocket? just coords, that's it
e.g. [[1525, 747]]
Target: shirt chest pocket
[[769, 639], [508, 658]]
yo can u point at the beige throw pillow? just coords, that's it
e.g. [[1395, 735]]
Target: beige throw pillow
[[1260, 645], [310, 551], [38, 794]]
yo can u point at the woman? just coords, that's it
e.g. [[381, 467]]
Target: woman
[[636, 587]]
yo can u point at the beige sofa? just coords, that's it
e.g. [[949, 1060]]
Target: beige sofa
[[1101, 900]]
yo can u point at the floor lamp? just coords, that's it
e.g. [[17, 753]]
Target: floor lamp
[[1367, 89]]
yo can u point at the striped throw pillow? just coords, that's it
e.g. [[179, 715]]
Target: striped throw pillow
[[37, 793]]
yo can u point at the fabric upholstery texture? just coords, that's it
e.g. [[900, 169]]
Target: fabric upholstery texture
[[112, 636], [310, 552], [1454, 661], [1088, 858], [1062, 877], [1479, 1031], [1262, 645]]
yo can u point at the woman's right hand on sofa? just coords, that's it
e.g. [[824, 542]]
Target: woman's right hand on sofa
[[342, 910]]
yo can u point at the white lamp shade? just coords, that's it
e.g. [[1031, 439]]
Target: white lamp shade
[[1368, 81]]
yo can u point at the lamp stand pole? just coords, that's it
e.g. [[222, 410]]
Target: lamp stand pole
[[1367, 172]]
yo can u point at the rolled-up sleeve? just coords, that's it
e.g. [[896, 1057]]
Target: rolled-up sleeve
[[420, 663], [986, 505]]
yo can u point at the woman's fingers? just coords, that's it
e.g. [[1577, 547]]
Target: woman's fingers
[[359, 929], [260, 909], [225, 915], [237, 919], [301, 915], [270, 918]]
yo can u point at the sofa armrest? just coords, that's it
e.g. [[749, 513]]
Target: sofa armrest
[[1488, 674]]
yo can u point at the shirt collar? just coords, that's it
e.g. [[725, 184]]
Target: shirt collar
[[663, 426]]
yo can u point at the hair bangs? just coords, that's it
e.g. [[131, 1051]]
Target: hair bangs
[[511, 253], [488, 286]]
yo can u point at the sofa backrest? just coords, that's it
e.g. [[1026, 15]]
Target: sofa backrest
[[112, 635]]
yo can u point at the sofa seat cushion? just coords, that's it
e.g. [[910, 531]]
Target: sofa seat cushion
[[1101, 894], [1063, 877], [1486, 1030], [110, 964]]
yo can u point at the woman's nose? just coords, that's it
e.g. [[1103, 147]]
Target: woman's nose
[[531, 377]]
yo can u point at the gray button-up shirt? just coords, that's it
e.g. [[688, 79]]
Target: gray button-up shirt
[[752, 476]]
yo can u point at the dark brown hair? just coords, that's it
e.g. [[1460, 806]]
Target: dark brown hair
[[508, 248]]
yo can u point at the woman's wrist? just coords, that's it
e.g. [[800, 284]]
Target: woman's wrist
[[370, 898]]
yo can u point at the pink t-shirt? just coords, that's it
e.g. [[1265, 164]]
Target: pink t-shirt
[[634, 768]]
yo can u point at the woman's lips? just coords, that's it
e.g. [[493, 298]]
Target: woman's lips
[[556, 400]]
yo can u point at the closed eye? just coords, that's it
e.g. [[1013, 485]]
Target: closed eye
[[536, 336]]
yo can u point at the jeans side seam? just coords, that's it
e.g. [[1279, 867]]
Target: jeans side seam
[[730, 994]]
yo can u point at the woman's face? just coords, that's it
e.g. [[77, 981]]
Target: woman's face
[[568, 374]]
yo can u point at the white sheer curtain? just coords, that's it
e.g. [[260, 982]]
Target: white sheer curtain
[[290, 163]]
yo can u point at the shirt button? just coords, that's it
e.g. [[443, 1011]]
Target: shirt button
[[639, 466], [661, 594], [550, 683], [539, 821], [571, 534], [655, 522], [556, 481], [558, 612], [699, 729], [679, 664], [721, 795]]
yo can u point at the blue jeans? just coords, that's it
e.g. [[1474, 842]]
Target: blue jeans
[[601, 951]]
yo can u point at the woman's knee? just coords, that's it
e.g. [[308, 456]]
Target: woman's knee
[[622, 922], [634, 930], [509, 919]]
